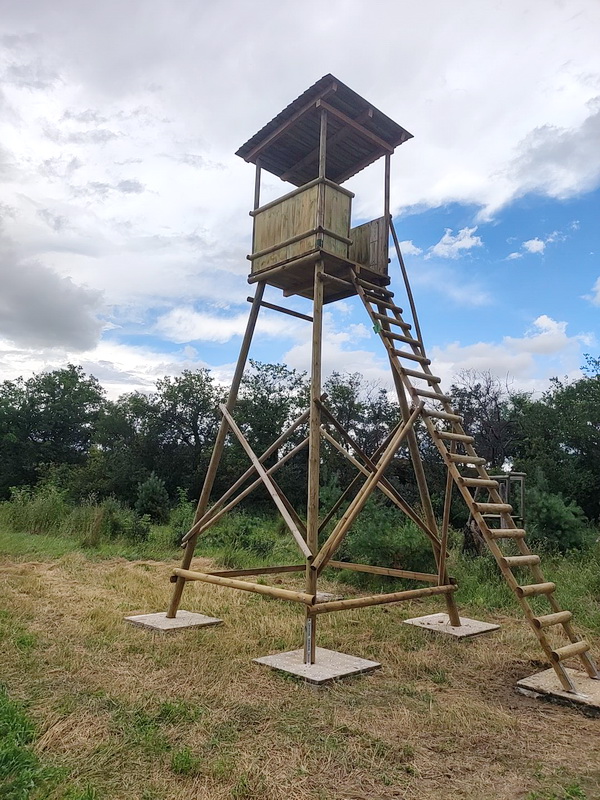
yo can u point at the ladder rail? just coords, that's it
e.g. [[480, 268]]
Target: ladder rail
[[387, 315]]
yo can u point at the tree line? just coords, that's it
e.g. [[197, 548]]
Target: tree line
[[59, 427]]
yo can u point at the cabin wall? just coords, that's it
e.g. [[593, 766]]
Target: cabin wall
[[370, 245]]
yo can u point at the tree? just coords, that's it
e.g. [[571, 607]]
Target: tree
[[153, 499]]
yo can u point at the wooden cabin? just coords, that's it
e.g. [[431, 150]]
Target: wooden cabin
[[318, 142]]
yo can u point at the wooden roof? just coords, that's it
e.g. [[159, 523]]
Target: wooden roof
[[357, 135]]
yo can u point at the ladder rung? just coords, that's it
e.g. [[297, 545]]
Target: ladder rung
[[493, 508], [574, 649], [507, 533], [374, 288], [443, 415], [443, 398], [456, 437], [383, 303], [483, 482], [460, 459], [392, 320], [558, 618], [410, 356], [521, 561], [397, 337], [422, 375], [533, 589]]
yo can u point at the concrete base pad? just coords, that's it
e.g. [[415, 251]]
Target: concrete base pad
[[328, 666], [547, 686], [440, 623], [184, 619]]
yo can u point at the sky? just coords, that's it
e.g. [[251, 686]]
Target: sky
[[124, 222]]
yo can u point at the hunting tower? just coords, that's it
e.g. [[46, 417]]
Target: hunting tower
[[304, 244]]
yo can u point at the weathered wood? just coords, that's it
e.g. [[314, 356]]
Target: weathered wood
[[314, 457], [283, 310], [411, 299], [267, 482], [389, 571], [385, 146], [213, 516], [235, 573], [217, 452], [323, 144], [245, 586], [381, 599]]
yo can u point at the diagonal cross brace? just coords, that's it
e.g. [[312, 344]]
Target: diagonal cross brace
[[391, 489], [266, 479], [385, 486], [356, 506]]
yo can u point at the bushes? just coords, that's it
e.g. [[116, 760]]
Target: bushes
[[47, 511], [181, 518], [383, 537], [153, 499], [554, 522]]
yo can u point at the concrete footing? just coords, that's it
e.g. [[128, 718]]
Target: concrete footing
[[545, 685], [162, 624], [440, 623], [329, 665]]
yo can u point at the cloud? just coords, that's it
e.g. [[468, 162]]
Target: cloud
[[513, 256], [594, 297], [451, 246], [534, 245], [545, 350], [39, 308], [186, 324], [409, 249]]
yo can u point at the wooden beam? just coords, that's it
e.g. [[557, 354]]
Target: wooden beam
[[245, 586], [338, 137], [233, 573], [283, 310], [380, 599], [285, 126], [217, 452], [267, 481], [385, 146], [392, 573]]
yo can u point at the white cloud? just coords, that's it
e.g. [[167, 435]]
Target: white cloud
[[594, 297], [409, 249], [451, 246], [542, 352], [513, 256], [186, 324], [534, 245]]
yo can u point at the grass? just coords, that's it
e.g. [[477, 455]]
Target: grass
[[115, 713]]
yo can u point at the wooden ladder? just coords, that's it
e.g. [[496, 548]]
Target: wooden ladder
[[408, 359]]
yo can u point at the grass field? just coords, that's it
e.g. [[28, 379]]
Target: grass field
[[95, 709]]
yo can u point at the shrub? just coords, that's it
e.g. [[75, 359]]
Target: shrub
[[153, 499], [181, 517], [554, 522], [382, 537]]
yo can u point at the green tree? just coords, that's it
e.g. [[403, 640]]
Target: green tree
[[153, 499]]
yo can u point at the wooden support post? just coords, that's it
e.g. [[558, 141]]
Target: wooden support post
[[386, 194], [451, 608], [314, 456], [219, 445]]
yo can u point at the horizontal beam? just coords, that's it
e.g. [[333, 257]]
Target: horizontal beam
[[386, 146], [233, 573], [426, 577], [283, 310], [381, 599], [246, 586]]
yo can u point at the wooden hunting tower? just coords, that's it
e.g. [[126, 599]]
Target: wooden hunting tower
[[304, 244]]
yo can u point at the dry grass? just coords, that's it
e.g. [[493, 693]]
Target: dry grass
[[147, 716]]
